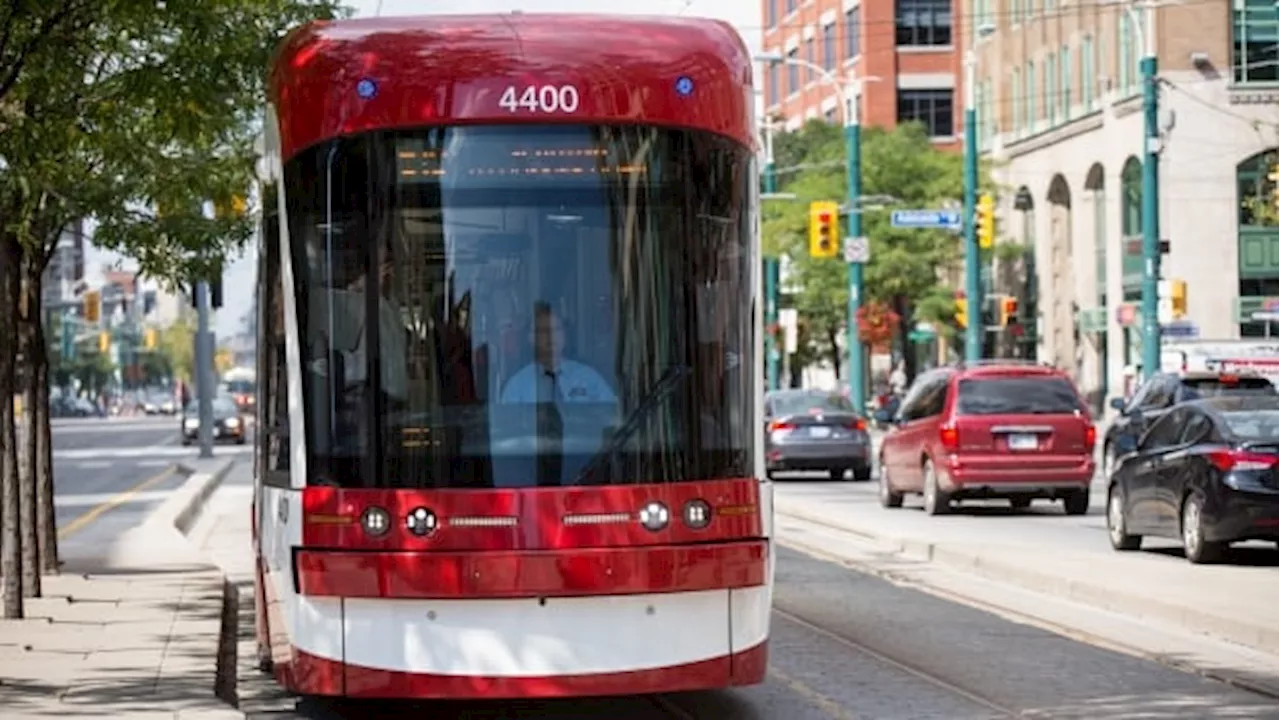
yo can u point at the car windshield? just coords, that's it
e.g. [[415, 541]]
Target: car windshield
[[221, 406], [1254, 425], [799, 403], [496, 306], [1017, 396]]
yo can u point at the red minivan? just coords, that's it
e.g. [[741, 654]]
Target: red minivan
[[999, 429]]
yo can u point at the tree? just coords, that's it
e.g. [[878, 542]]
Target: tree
[[902, 275], [136, 114], [176, 345]]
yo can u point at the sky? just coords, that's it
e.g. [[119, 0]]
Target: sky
[[240, 273]]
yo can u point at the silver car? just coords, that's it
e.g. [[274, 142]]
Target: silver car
[[815, 430]]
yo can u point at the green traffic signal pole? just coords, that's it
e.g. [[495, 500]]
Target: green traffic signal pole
[[772, 353], [972, 265], [853, 160], [1150, 193]]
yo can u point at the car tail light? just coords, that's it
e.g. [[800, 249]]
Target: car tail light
[[1228, 460], [1090, 437], [949, 436], [777, 425], [858, 424]]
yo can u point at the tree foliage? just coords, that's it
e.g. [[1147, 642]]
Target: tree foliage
[[900, 163]]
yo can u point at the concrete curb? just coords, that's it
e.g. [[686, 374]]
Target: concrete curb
[[186, 503], [1094, 595]]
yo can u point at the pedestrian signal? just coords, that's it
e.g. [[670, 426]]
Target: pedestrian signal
[[1008, 310], [985, 220], [824, 229]]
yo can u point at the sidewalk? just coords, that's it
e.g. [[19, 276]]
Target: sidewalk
[[1237, 604], [135, 633]]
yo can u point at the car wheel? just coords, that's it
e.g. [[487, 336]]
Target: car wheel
[[936, 502], [1076, 502], [1198, 550], [888, 498], [862, 473], [1117, 529]]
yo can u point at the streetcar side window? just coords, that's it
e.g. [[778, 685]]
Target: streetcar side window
[[273, 373]]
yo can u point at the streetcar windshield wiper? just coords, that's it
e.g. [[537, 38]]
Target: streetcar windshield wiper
[[669, 382]]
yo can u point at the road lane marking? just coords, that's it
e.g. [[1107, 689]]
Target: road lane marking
[[82, 521], [152, 463], [91, 464], [817, 699], [95, 499]]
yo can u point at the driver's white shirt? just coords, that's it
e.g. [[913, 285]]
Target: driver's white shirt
[[574, 383]]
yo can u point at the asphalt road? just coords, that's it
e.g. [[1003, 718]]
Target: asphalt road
[[109, 474], [850, 646]]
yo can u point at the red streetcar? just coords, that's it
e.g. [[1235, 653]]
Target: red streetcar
[[509, 398]]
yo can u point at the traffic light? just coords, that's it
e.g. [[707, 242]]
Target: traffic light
[[824, 228], [92, 301], [985, 220], [149, 338], [962, 312], [236, 206], [1178, 297], [1008, 310], [104, 342]]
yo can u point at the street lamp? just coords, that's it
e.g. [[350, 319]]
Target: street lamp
[[848, 95]]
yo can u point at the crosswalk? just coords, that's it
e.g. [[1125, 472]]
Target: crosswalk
[[162, 454]]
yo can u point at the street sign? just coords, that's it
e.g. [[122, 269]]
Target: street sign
[[857, 250], [936, 219], [1180, 329]]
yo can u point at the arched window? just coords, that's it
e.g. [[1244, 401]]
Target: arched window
[[1258, 246]]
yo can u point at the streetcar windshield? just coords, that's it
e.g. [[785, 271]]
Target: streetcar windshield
[[524, 306]]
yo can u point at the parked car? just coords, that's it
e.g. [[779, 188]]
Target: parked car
[[228, 422], [815, 430], [1205, 473], [1002, 429], [1163, 391]]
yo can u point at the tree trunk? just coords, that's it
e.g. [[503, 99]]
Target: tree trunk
[[10, 538], [28, 323], [50, 564]]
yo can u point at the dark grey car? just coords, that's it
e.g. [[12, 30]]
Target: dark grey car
[[815, 430]]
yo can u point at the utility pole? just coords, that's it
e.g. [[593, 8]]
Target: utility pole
[[204, 370], [771, 274], [974, 330], [1150, 191], [853, 159]]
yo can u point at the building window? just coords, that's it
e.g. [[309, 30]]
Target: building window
[[1031, 106], [829, 46], [793, 72], [1064, 69], [1255, 33], [1088, 76], [852, 29], [773, 84], [1015, 92], [810, 75], [1126, 55], [1050, 89], [923, 22], [935, 109], [1256, 186]]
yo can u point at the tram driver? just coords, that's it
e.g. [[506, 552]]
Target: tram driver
[[551, 377]]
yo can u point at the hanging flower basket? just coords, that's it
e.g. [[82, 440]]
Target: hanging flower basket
[[877, 324]]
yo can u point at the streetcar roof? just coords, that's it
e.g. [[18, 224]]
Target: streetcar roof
[[331, 78]]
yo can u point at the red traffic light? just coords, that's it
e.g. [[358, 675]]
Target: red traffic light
[[824, 218]]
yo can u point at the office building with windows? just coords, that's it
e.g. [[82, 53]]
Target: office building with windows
[[1059, 93], [909, 50]]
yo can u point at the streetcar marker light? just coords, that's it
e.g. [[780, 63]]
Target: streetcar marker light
[[376, 521], [421, 522], [684, 85], [655, 516], [697, 514], [366, 88]]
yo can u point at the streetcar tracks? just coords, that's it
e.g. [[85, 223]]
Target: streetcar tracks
[[924, 675]]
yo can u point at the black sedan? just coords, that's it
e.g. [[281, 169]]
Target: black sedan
[[1205, 473], [228, 423], [1163, 391], [815, 430]]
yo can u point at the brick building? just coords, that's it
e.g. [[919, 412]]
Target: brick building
[[913, 47]]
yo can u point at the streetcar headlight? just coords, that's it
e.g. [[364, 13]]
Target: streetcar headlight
[[697, 514], [654, 516], [421, 522], [376, 521]]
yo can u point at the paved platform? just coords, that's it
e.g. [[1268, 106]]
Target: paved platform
[[131, 632]]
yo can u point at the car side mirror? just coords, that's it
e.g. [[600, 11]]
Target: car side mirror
[[1117, 404]]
